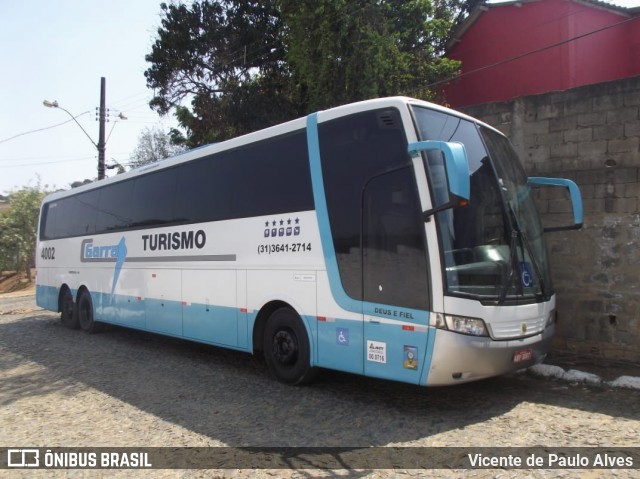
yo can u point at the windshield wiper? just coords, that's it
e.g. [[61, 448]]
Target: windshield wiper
[[517, 233], [512, 258]]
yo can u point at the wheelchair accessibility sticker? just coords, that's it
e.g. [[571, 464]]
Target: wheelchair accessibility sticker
[[526, 274], [342, 336]]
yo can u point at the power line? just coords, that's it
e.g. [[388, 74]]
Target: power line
[[133, 104], [43, 129], [124, 100], [132, 114], [18, 165], [48, 157], [24, 161], [111, 131]]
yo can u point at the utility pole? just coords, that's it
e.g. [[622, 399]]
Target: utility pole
[[102, 118], [101, 115]]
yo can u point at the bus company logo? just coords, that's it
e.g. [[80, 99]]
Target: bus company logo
[[98, 253], [282, 227], [117, 254]]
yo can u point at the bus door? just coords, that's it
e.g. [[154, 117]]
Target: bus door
[[372, 230], [395, 283]]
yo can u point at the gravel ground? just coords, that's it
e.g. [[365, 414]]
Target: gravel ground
[[125, 388]]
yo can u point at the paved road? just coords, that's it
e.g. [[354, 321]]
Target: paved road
[[126, 388]]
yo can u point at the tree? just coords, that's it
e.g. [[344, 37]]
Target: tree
[[78, 183], [18, 227], [153, 145], [227, 58], [348, 50], [245, 65]]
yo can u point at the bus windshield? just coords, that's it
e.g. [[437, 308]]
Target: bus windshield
[[493, 248]]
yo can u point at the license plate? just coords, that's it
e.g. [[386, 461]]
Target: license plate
[[522, 356]]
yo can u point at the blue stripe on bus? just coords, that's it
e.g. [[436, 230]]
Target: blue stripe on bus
[[337, 290], [431, 340], [215, 325], [229, 326], [47, 297], [322, 213], [331, 262]]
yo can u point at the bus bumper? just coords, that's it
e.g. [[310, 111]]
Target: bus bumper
[[458, 358]]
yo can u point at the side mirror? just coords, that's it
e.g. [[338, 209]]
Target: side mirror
[[456, 169], [576, 200]]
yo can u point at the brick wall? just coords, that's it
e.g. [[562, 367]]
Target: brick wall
[[589, 134]]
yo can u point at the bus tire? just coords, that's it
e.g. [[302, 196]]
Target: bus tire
[[286, 348], [85, 314], [68, 316]]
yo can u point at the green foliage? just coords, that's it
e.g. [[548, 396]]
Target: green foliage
[[344, 51], [18, 228], [227, 58], [246, 65]]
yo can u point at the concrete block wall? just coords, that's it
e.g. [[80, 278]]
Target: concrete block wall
[[589, 134]]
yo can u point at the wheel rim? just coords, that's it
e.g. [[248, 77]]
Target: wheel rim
[[285, 346]]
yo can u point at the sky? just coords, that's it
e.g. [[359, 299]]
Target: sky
[[59, 50]]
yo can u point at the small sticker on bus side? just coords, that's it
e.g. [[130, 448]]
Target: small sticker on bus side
[[376, 351], [410, 358], [277, 228], [526, 274], [342, 336]]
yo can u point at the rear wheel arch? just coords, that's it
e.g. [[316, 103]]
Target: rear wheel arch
[[261, 320], [259, 324]]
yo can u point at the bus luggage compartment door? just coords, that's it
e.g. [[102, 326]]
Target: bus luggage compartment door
[[163, 306]]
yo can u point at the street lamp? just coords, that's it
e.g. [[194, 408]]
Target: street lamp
[[101, 145], [54, 104]]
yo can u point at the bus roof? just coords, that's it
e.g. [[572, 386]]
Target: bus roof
[[280, 129]]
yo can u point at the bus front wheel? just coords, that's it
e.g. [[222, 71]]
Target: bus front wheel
[[286, 348]]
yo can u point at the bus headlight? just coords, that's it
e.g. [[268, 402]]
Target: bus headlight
[[466, 325]]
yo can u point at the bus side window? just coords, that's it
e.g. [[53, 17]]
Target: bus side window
[[79, 216], [114, 207], [394, 253], [153, 198], [353, 150]]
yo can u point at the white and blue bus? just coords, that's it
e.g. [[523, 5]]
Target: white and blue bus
[[391, 238]]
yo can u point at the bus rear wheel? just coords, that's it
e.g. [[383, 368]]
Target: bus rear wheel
[[85, 314], [286, 348], [68, 315]]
